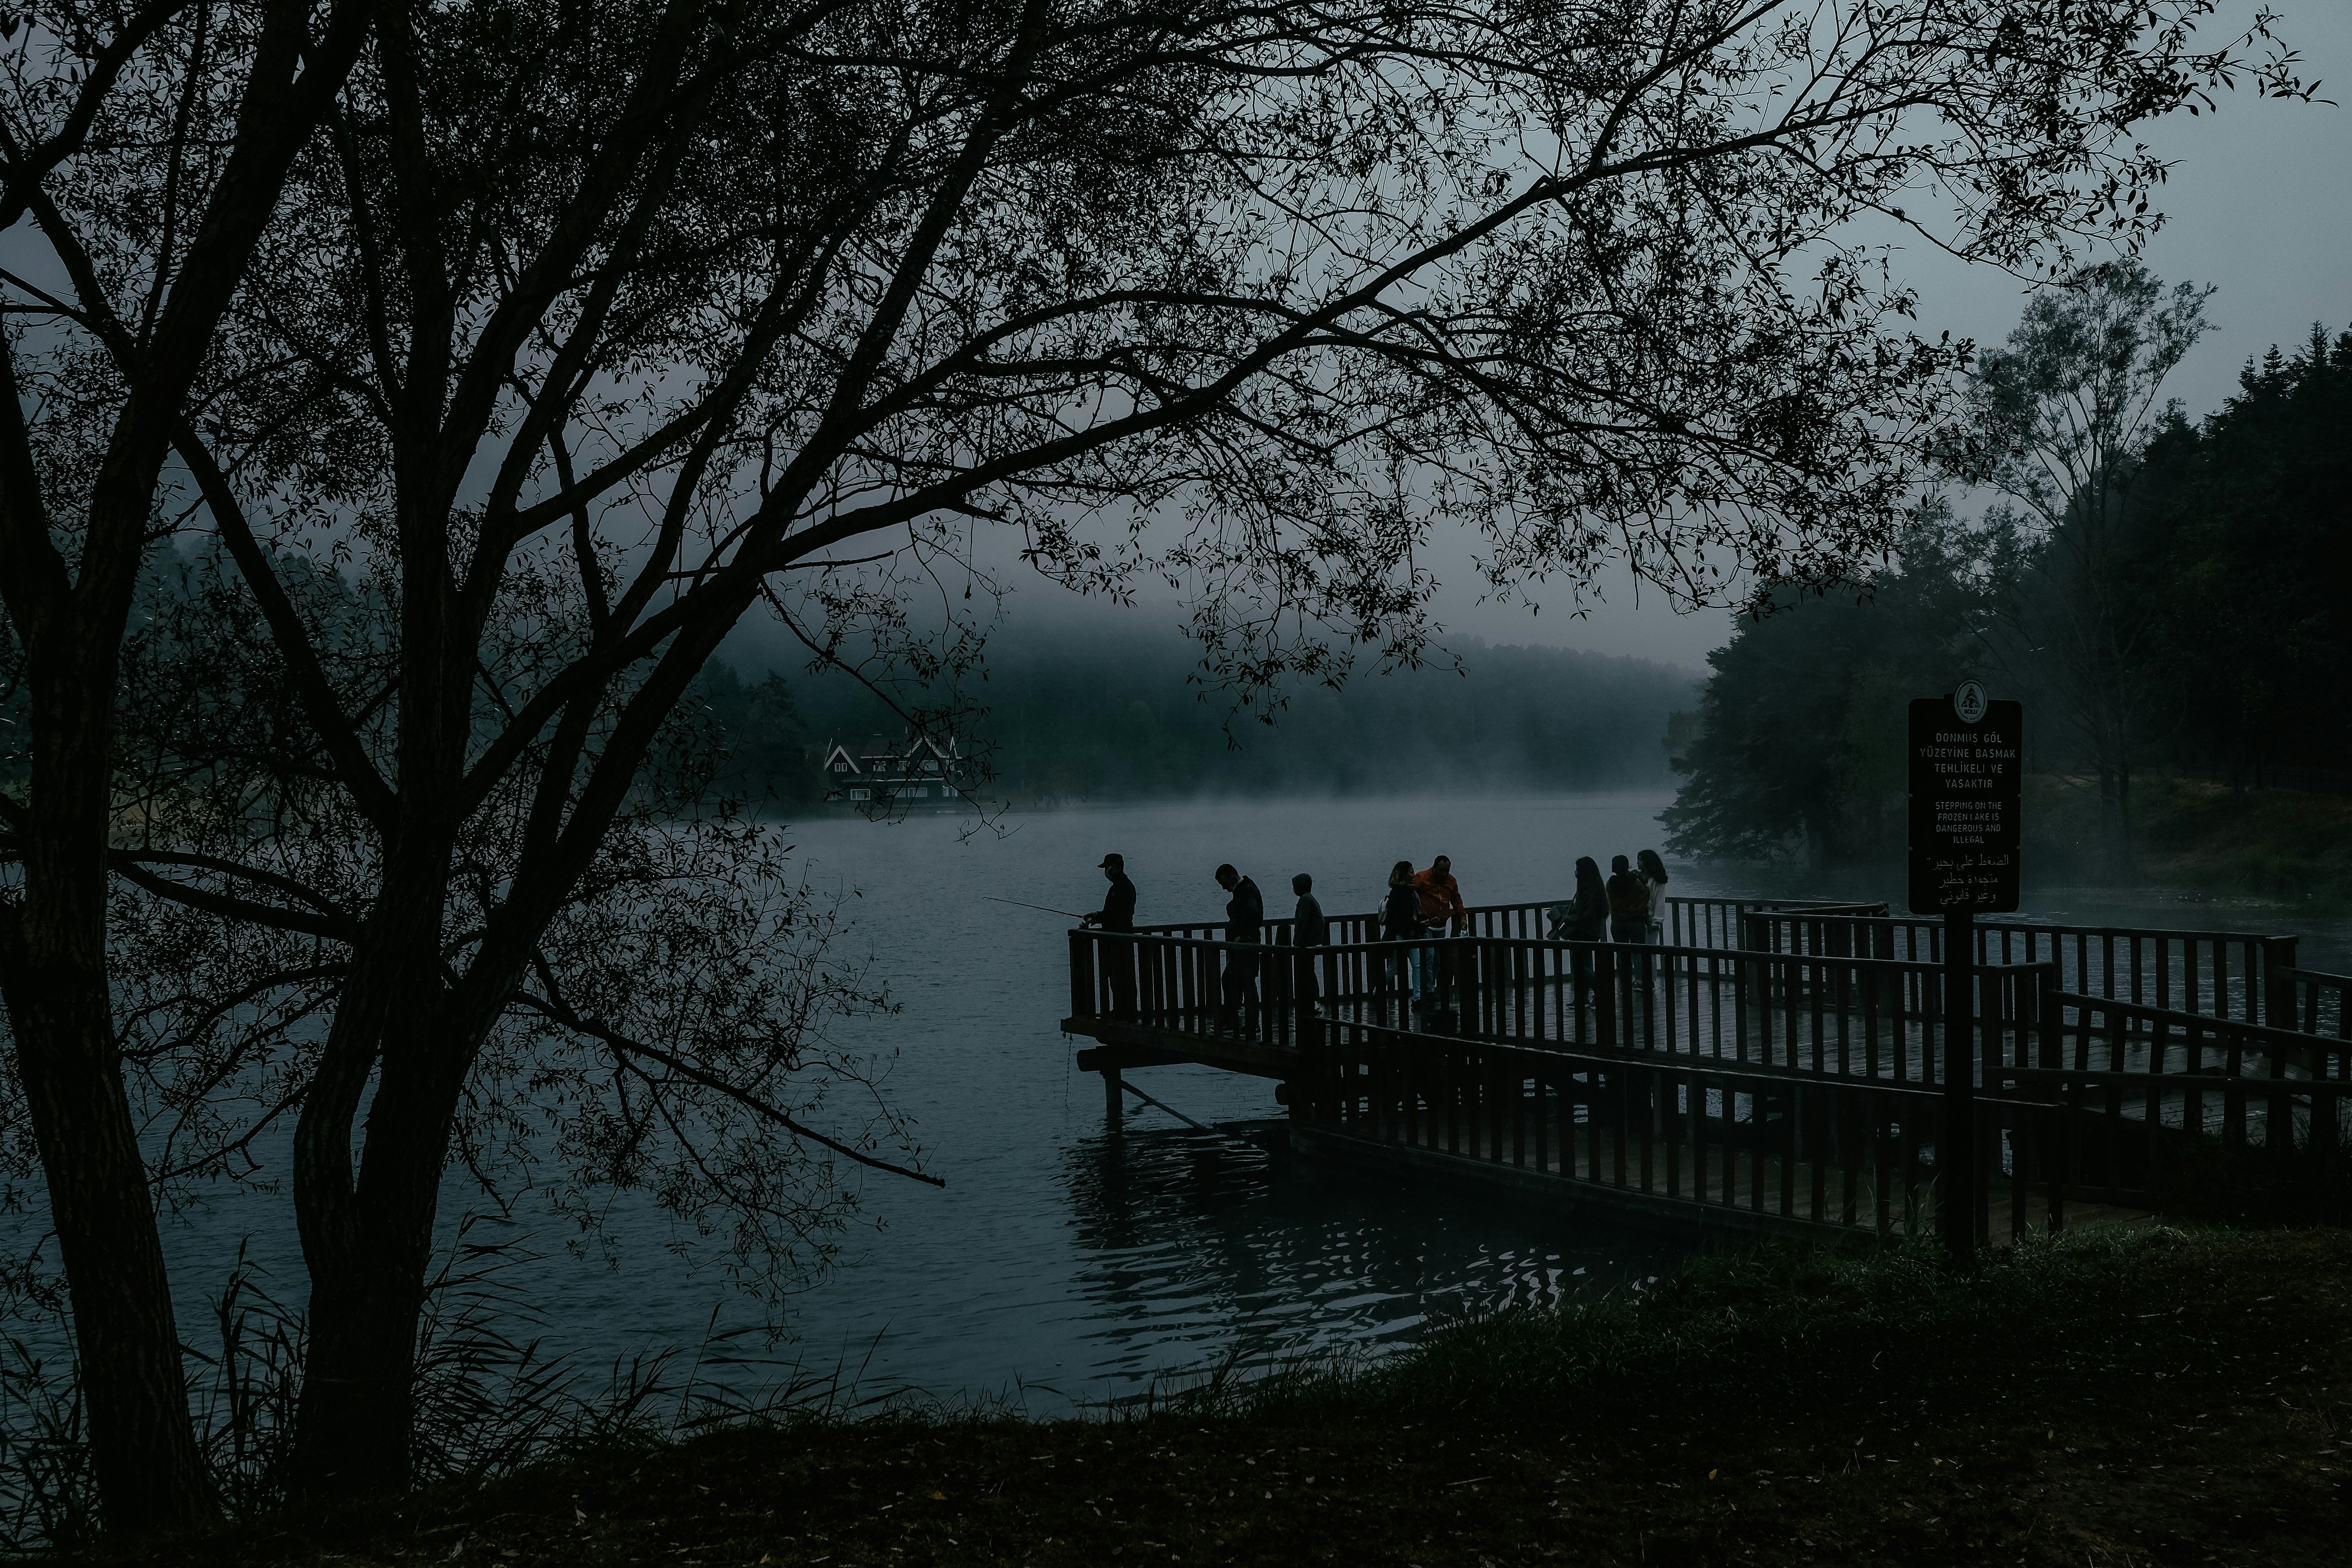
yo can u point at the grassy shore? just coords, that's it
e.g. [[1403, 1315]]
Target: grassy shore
[[2155, 1396], [2279, 844]]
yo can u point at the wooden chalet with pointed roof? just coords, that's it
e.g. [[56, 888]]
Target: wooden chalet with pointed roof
[[913, 770]]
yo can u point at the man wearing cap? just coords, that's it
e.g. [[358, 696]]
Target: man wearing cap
[[1117, 914]]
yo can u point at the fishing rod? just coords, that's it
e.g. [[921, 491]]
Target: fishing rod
[[1070, 914]]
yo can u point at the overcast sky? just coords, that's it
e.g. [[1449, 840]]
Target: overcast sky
[[2257, 204]]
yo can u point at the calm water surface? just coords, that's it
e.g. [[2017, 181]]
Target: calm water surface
[[1060, 1264]]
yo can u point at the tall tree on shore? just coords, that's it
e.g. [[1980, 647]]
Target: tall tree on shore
[[1798, 740], [584, 331], [2250, 523], [143, 153], [2068, 408]]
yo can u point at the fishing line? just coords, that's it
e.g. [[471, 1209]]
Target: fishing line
[[1070, 914]]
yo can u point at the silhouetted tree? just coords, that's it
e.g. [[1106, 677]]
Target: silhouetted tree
[[144, 151], [2247, 542], [2068, 408], [764, 737], [1799, 740], [577, 332]]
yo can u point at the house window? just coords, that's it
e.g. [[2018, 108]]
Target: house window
[[861, 794]]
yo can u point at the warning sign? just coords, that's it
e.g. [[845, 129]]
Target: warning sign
[[1968, 768]]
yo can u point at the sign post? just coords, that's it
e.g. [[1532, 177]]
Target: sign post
[[1967, 778]]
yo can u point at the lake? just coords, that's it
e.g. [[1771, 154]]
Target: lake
[[1060, 1265]]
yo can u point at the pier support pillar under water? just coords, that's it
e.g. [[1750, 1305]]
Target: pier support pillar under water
[[1113, 1097]]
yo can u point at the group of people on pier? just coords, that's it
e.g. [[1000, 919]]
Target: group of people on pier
[[1629, 907]]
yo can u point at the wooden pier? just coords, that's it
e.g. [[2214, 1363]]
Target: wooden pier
[[1771, 1067]]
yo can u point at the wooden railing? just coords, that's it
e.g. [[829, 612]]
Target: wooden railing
[[2220, 974], [1483, 920], [1822, 1013], [2147, 1106], [1795, 1079], [1716, 923], [2310, 1002]]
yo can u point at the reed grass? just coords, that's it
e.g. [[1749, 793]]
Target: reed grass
[[490, 1398]]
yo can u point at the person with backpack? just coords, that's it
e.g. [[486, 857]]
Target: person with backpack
[[1629, 912], [1629, 903]]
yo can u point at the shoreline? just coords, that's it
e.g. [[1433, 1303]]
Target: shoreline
[[2287, 849], [2158, 1396]]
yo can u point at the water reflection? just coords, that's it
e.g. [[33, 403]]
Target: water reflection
[[1232, 1245]]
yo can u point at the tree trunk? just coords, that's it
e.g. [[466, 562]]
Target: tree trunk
[[368, 1242], [143, 1447], [357, 1406]]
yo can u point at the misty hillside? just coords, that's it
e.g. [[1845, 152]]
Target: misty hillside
[[1111, 712]]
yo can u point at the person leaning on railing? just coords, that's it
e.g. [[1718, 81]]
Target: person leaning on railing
[[1245, 923], [1441, 907]]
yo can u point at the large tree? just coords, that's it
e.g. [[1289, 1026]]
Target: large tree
[[1798, 742], [2068, 405], [2248, 537], [582, 332], [143, 153]]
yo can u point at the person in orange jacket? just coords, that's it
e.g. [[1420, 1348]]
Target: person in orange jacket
[[1441, 907]]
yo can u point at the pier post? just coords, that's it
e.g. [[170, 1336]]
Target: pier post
[[2278, 992], [1956, 1146], [1113, 1097]]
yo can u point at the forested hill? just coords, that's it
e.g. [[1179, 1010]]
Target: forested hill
[[1107, 712]]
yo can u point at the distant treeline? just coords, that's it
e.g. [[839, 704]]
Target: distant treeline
[[1112, 714], [2195, 623]]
